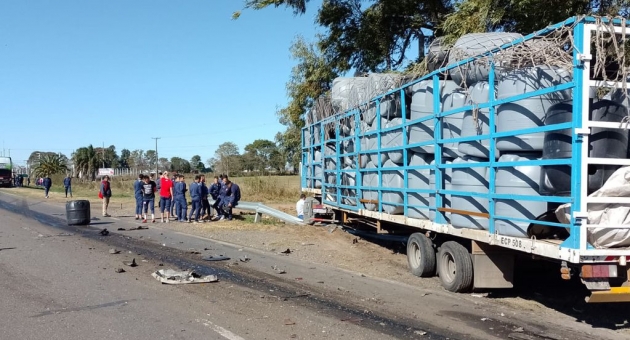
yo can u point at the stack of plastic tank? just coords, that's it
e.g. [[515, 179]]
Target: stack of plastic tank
[[370, 180], [476, 123], [603, 143], [392, 201]]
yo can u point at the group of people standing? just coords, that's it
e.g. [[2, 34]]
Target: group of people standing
[[172, 197]]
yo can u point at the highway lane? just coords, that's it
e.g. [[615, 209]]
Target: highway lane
[[69, 295]]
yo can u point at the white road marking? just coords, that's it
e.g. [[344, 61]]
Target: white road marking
[[220, 330]]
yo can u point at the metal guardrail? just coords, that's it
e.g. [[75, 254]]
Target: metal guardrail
[[261, 209]]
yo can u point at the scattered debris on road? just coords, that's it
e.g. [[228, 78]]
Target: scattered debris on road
[[287, 252], [121, 229], [8, 248], [119, 270], [131, 264], [215, 258], [104, 232], [174, 277], [289, 322], [139, 228], [244, 258], [114, 251], [278, 270], [420, 332], [194, 251], [352, 320]]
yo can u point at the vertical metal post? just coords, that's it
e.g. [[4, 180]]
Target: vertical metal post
[[491, 145], [378, 154], [403, 109], [581, 67], [437, 135]]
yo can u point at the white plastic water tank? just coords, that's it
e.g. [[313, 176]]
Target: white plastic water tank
[[476, 122], [470, 179], [447, 175], [518, 180], [471, 45], [529, 112], [392, 200], [418, 179]]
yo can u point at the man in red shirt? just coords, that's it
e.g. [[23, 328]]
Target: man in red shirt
[[166, 196]]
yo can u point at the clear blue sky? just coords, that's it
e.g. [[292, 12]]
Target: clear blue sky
[[76, 72]]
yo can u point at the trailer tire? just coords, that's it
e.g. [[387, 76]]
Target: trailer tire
[[455, 267], [420, 255]]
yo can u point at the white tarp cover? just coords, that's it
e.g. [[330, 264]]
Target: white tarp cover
[[176, 277], [611, 214]]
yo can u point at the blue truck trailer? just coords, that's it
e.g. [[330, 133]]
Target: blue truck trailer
[[518, 145]]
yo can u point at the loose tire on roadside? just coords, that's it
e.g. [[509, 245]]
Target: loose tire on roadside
[[420, 255], [455, 267]]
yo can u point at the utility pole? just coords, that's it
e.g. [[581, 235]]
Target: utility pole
[[103, 154], [156, 156]]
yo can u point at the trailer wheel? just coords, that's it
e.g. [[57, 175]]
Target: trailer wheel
[[455, 267], [421, 255]]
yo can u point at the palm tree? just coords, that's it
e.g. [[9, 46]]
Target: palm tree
[[50, 164], [86, 161]]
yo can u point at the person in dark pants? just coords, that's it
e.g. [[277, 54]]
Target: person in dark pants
[[180, 199], [205, 205], [137, 193], [232, 196], [47, 183], [67, 184], [195, 195], [214, 191], [148, 198]]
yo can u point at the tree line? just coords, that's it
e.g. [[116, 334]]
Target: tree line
[[260, 156]]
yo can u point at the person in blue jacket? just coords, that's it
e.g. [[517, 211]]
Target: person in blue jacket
[[195, 195], [223, 197], [137, 193], [181, 205], [214, 192], [67, 184], [205, 205], [232, 197]]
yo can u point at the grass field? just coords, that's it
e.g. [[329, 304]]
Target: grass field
[[266, 189]]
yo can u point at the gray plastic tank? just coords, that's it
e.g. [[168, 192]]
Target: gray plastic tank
[[452, 124], [447, 177], [317, 133], [347, 147], [419, 179], [471, 179], [369, 179], [519, 180], [530, 112], [438, 54], [471, 45], [392, 139], [347, 93], [349, 177], [422, 106], [603, 143], [392, 201], [318, 173], [476, 123]]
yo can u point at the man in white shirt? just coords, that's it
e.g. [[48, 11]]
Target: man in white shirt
[[299, 207]]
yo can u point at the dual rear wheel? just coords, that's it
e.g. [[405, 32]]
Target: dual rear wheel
[[453, 263]]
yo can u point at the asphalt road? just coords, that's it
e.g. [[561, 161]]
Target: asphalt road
[[59, 282]]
